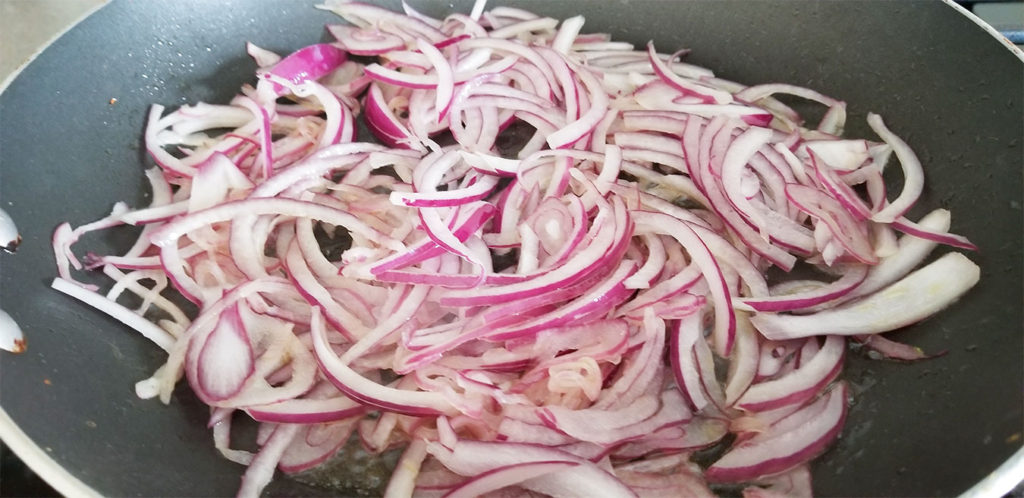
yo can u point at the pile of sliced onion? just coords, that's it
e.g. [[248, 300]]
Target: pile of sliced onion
[[528, 280]]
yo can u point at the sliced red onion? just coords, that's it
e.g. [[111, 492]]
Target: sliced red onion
[[261, 471], [215, 178], [785, 447], [365, 15], [597, 302], [706, 94], [909, 227], [225, 359], [700, 167], [745, 360], [222, 438], [838, 188], [382, 121], [403, 481], [852, 277], [740, 152], [509, 475], [840, 223], [474, 192], [469, 457], [725, 321], [913, 174], [640, 370], [604, 232], [432, 81], [148, 329], [594, 425], [315, 444], [911, 299], [893, 350], [909, 254], [698, 433], [795, 483], [693, 367], [335, 157], [338, 315], [261, 56], [586, 123], [365, 41], [672, 412], [154, 146], [307, 411], [445, 78], [467, 298], [671, 479], [842, 155], [800, 384], [309, 63], [362, 389], [567, 34]]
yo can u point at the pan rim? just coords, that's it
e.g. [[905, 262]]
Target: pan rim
[[40, 461], [1001, 481], [1015, 50], [46, 45], [67, 484]]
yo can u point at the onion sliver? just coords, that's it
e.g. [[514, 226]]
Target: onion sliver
[[758, 456], [915, 297]]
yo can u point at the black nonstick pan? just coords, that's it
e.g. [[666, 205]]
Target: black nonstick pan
[[70, 145]]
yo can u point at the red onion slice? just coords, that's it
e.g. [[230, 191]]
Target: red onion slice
[[745, 360], [315, 444], [725, 321], [261, 56], [225, 359], [776, 451], [667, 476], [795, 483], [365, 41], [309, 63], [852, 278], [909, 254], [913, 174], [706, 94], [381, 120], [362, 389], [261, 471], [307, 411], [840, 223], [469, 457], [913, 298], [800, 384], [501, 477], [148, 329]]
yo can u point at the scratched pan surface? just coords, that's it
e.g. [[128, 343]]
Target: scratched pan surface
[[949, 88]]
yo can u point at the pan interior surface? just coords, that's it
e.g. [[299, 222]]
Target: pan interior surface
[[70, 146]]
